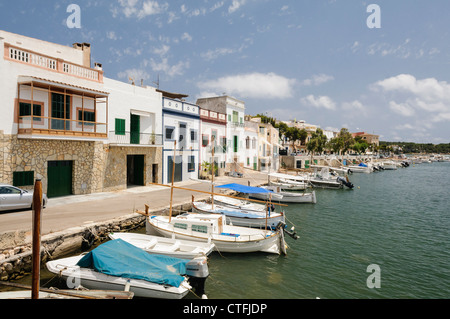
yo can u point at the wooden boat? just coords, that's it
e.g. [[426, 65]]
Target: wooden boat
[[286, 197], [166, 246], [241, 216], [212, 228], [117, 265], [289, 185]]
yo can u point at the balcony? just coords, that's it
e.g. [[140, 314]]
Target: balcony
[[52, 64], [135, 139], [50, 126]]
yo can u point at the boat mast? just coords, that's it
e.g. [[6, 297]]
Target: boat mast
[[213, 164], [173, 176]]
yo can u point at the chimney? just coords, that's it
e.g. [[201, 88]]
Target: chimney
[[86, 48]]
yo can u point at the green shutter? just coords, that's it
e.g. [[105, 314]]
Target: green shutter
[[23, 178], [236, 144], [120, 127]]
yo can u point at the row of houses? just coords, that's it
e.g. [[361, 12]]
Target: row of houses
[[80, 132]]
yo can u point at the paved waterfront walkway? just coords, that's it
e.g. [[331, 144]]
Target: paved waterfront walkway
[[73, 211]]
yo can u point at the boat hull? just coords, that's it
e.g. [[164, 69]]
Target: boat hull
[[88, 278], [166, 246], [271, 221], [271, 243]]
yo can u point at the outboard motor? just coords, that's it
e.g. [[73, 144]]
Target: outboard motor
[[291, 233], [345, 182], [197, 271]]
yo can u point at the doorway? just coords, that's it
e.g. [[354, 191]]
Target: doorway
[[135, 170]]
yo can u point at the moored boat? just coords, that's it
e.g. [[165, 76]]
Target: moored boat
[[117, 265], [213, 228], [165, 246], [285, 197]]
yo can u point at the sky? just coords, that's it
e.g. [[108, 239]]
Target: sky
[[332, 63]]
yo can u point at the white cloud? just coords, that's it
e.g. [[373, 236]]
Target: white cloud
[[170, 70], [135, 74], [428, 95], [186, 37], [403, 109], [319, 102], [214, 54], [139, 9], [111, 35], [252, 85], [318, 79], [235, 5]]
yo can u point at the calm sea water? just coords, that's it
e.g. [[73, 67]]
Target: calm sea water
[[398, 220]]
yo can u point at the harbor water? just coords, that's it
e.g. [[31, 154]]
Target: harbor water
[[397, 221]]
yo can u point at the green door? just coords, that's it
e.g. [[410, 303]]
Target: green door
[[135, 128], [59, 175]]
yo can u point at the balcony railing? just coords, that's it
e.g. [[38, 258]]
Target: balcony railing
[[53, 64], [41, 125], [127, 138]]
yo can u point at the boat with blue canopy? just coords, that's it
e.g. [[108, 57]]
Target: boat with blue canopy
[[118, 265]]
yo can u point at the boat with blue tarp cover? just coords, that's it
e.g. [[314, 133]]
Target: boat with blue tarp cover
[[118, 265]]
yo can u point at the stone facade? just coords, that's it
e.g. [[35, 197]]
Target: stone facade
[[97, 167]]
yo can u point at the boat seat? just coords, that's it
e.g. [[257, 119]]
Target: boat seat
[[152, 243], [174, 246]]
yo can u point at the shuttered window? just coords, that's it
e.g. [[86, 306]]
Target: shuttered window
[[23, 178], [120, 127]]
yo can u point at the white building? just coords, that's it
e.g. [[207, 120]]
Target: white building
[[213, 137], [251, 144], [61, 120], [181, 124]]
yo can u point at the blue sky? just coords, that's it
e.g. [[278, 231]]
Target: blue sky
[[312, 60]]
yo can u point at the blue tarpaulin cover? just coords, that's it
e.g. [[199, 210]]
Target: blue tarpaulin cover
[[244, 189], [362, 165], [119, 258]]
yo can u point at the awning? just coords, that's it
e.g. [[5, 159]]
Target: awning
[[46, 82], [245, 189], [141, 113]]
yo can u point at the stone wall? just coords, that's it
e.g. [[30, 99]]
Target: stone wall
[[33, 155], [97, 167], [115, 177]]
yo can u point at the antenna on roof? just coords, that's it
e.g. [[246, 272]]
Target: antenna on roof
[[157, 82]]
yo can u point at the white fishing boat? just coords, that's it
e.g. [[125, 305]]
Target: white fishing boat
[[166, 246], [324, 179], [241, 216], [389, 165], [212, 228], [361, 168], [117, 265], [289, 185], [286, 197]]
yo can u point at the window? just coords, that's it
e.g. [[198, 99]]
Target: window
[[205, 140], [247, 142], [248, 160], [89, 116], [169, 133], [200, 229], [23, 178], [60, 110], [120, 127], [235, 117], [191, 163], [9, 190], [224, 144], [180, 226], [193, 135], [236, 144], [25, 110], [229, 117]]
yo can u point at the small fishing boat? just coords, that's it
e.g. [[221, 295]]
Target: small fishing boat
[[289, 185], [285, 197], [118, 265], [239, 216], [212, 228], [361, 168], [324, 179], [389, 165], [165, 246]]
